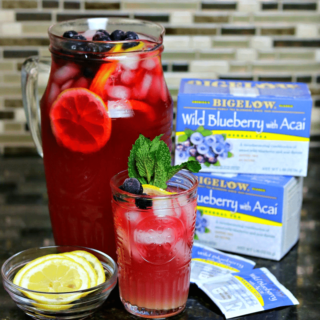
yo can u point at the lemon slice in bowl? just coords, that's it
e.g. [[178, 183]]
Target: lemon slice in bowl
[[151, 190], [95, 263], [86, 265], [55, 276], [33, 263]]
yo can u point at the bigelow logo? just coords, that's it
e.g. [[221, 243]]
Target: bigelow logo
[[248, 104], [207, 181], [239, 84]]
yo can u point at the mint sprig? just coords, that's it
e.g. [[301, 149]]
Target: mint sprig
[[150, 162]]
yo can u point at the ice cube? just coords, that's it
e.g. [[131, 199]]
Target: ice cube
[[131, 64], [67, 85], [119, 92], [81, 83], [127, 77], [65, 73], [141, 90], [120, 109], [132, 216], [54, 91], [148, 64]]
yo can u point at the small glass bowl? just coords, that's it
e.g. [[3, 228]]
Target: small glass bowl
[[91, 299]]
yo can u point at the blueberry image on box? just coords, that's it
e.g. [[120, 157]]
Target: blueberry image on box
[[204, 146], [201, 225]]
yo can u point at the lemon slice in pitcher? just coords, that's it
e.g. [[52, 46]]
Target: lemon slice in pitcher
[[55, 276]]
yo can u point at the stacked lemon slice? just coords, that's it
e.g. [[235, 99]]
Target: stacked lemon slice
[[60, 273]]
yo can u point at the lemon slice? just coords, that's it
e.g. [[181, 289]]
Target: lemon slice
[[33, 263], [95, 263], [155, 191], [86, 265], [55, 275]]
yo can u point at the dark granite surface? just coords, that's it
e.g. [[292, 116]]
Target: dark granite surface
[[25, 223]]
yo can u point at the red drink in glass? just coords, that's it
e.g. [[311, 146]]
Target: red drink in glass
[[154, 247], [96, 104]]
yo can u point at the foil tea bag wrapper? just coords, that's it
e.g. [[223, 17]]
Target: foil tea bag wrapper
[[244, 293], [209, 264]]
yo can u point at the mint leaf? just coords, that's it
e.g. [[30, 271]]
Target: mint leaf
[[193, 166], [206, 230], [217, 164], [224, 136], [145, 161], [207, 164], [206, 133], [200, 129], [182, 138], [230, 154], [163, 164], [191, 158], [132, 169], [155, 143], [188, 132], [196, 237]]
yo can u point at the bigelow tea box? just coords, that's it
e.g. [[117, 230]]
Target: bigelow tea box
[[244, 126], [257, 215]]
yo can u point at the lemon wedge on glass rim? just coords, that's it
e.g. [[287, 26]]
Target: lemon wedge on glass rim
[[55, 275], [151, 190]]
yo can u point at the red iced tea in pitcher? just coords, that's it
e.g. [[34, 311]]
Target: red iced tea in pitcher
[[101, 95]]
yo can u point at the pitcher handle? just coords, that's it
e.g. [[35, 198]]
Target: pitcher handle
[[32, 68]]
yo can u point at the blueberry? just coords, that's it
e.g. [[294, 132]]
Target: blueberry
[[89, 72], [70, 34], [132, 185], [196, 138], [186, 143], [92, 47], [210, 140], [202, 148], [192, 151], [78, 37], [180, 147], [143, 203], [211, 157], [99, 36], [117, 35], [103, 31], [224, 155], [227, 146], [105, 47], [128, 45], [219, 138], [130, 35], [218, 148], [200, 158], [182, 155]]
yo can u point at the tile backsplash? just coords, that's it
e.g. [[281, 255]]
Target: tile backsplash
[[245, 39]]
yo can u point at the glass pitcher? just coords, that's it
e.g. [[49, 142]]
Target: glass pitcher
[[100, 96]]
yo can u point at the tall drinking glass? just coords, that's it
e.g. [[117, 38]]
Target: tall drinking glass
[[100, 96], [154, 246]]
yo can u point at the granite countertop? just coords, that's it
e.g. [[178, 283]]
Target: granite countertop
[[25, 223]]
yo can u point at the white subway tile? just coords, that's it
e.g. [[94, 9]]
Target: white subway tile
[[7, 15], [19, 115], [261, 42], [215, 66], [246, 54], [181, 18], [307, 30], [11, 28], [177, 42], [248, 5], [173, 78], [201, 42]]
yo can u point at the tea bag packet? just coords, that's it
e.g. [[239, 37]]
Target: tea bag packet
[[246, 293], [208, 264]]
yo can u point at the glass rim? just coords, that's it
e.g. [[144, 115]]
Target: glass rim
[[105, 285], [158, 41], [185, 173]]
